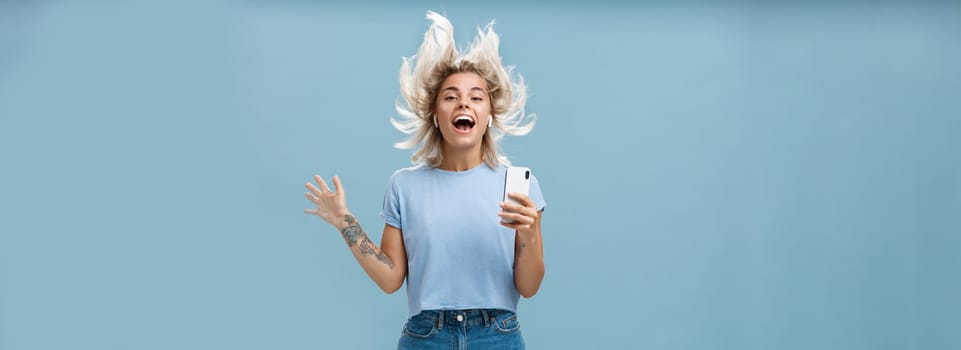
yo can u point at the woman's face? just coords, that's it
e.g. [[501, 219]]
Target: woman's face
[[462, 108]]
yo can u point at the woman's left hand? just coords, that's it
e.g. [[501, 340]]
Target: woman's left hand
[[523, 214]]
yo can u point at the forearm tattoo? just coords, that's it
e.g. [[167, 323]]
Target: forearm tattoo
[[353, 232], [355, 236]]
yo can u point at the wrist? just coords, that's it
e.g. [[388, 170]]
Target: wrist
[[527, 236], [340, 219]]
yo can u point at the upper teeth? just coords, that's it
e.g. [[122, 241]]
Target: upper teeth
[[463, 117]]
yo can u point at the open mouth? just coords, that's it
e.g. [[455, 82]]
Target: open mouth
[[463, 124]]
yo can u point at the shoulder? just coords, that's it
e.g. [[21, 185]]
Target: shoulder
[[415, 170], [412, 173]]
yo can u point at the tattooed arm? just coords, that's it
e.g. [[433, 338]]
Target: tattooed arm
[[388, 273], [386, 265]]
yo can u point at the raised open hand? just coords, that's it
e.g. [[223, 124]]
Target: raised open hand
[[331, 205]]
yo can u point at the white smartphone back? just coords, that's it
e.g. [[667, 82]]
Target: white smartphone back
[[519, 181]]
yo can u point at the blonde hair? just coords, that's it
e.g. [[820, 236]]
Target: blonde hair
[[438, 58]]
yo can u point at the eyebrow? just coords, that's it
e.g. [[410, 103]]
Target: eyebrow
[[456, 89]]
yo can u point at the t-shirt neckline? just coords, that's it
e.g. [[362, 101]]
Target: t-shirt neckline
[[475, 169]]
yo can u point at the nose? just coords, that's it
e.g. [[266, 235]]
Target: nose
[[463, 104]]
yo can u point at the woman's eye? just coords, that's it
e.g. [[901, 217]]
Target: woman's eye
[[450, 98], [477, 99]]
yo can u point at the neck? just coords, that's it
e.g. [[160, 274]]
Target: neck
[[461, 160]]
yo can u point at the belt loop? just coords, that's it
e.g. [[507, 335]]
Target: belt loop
[[440, 320], [487, 321]]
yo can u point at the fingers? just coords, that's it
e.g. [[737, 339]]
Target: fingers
[[523, 215], [521, 198], [517, 208], [518, 219], [322, 196], [317, 192], [323, 185], [515, 218], [337, 185], [314, 191]]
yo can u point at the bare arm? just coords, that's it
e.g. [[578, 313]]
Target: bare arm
[[387, 264], [528, 246]]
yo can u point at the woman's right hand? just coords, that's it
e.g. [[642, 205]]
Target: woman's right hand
[[331, 205]]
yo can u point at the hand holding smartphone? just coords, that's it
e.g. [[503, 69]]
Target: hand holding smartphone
[[519, 181]]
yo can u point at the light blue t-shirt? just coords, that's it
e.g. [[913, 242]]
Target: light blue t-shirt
[[458, 254]]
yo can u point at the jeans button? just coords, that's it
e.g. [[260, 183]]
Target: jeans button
[[460, 318]]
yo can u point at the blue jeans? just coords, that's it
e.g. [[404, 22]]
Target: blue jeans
[[462, 329]]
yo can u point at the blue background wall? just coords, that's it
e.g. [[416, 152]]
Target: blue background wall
[[720, 176]]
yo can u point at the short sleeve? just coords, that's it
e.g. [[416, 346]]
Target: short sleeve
[[536, 195], [391, 210]]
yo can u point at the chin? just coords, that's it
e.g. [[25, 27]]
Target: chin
[[464, 144]]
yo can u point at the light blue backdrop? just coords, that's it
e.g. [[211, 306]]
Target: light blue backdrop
[[720, 176]]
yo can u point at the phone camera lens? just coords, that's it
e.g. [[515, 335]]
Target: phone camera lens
[[527, 175]]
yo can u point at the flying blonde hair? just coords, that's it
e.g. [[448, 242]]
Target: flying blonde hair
[[438, 58]]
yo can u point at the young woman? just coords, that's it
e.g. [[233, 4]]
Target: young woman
[[467, 256]]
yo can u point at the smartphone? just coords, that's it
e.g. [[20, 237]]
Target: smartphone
[[518, 180]]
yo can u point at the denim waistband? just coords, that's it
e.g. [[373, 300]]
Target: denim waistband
[[470, 317]]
